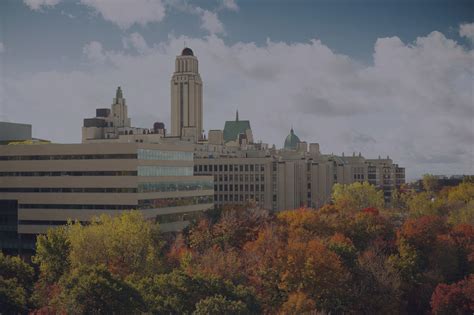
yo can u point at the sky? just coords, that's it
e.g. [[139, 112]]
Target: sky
[[378, 77]]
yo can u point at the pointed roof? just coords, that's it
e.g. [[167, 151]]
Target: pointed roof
[[119, 93], [233, 128]]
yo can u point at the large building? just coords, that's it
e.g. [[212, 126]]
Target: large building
[[45, 185], [171, 177], [243, 170]]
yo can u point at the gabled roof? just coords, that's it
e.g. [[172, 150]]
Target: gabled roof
[[233, 128]]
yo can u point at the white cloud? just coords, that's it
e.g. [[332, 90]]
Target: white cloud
[[230, 5], [414, 103], [94, 52], [210, 22], [39, 4], [136, 41], [125, 13], [2, 48], [467, 30]]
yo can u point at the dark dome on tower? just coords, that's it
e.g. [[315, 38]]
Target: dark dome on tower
[[291, 141], [187, 52]]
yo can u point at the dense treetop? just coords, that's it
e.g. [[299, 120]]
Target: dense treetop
[[354, 256]]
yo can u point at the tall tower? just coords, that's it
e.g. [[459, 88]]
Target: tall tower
[[119, 110], [186, 96]]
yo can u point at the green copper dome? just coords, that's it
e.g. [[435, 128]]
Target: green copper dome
[[291, 141]]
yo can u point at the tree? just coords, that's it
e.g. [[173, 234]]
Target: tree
[[357, 196], [52, 253], [126, 244], [430, 183], [425, 204], [310, 267], [180, 293], [94, 290], [219, 305], [376, 284], [463, 193], [16, 284], [456, 298], [298, 303]]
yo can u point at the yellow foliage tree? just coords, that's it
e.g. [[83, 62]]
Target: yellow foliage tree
[[357, 196]]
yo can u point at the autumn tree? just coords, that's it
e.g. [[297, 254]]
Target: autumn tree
[[298, 303], [430, 183], [125, 244], [357, 196], [456, 298]]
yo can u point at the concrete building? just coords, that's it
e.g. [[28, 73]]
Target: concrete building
[[244, 170], [14, 132], [45, 185], [186, 97]]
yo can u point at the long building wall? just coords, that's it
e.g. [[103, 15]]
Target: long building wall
[[53, 183]]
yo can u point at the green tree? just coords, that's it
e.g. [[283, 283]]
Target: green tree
[[16, 284], [179, 293], [219, 305], [94, 290], [52, 253], [357, 196]]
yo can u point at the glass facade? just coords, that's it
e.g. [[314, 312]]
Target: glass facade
[[73, 173], [165, 171], [174, 202], [67, 157], [146, 154], [176, 186]]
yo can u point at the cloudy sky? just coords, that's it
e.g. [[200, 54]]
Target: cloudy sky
[[379, 77]]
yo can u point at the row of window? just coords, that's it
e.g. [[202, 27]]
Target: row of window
[[239, 198], [67, 157], [73, 173], [175, 186], [173, 202], [230, 168], [142, 204], [240, 178], [68, 190], [147, 154], [246, 187], [42, 222], [165, 171], [76, 207]]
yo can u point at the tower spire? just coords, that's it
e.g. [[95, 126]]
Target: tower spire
[[237, 115], [119, 94]]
